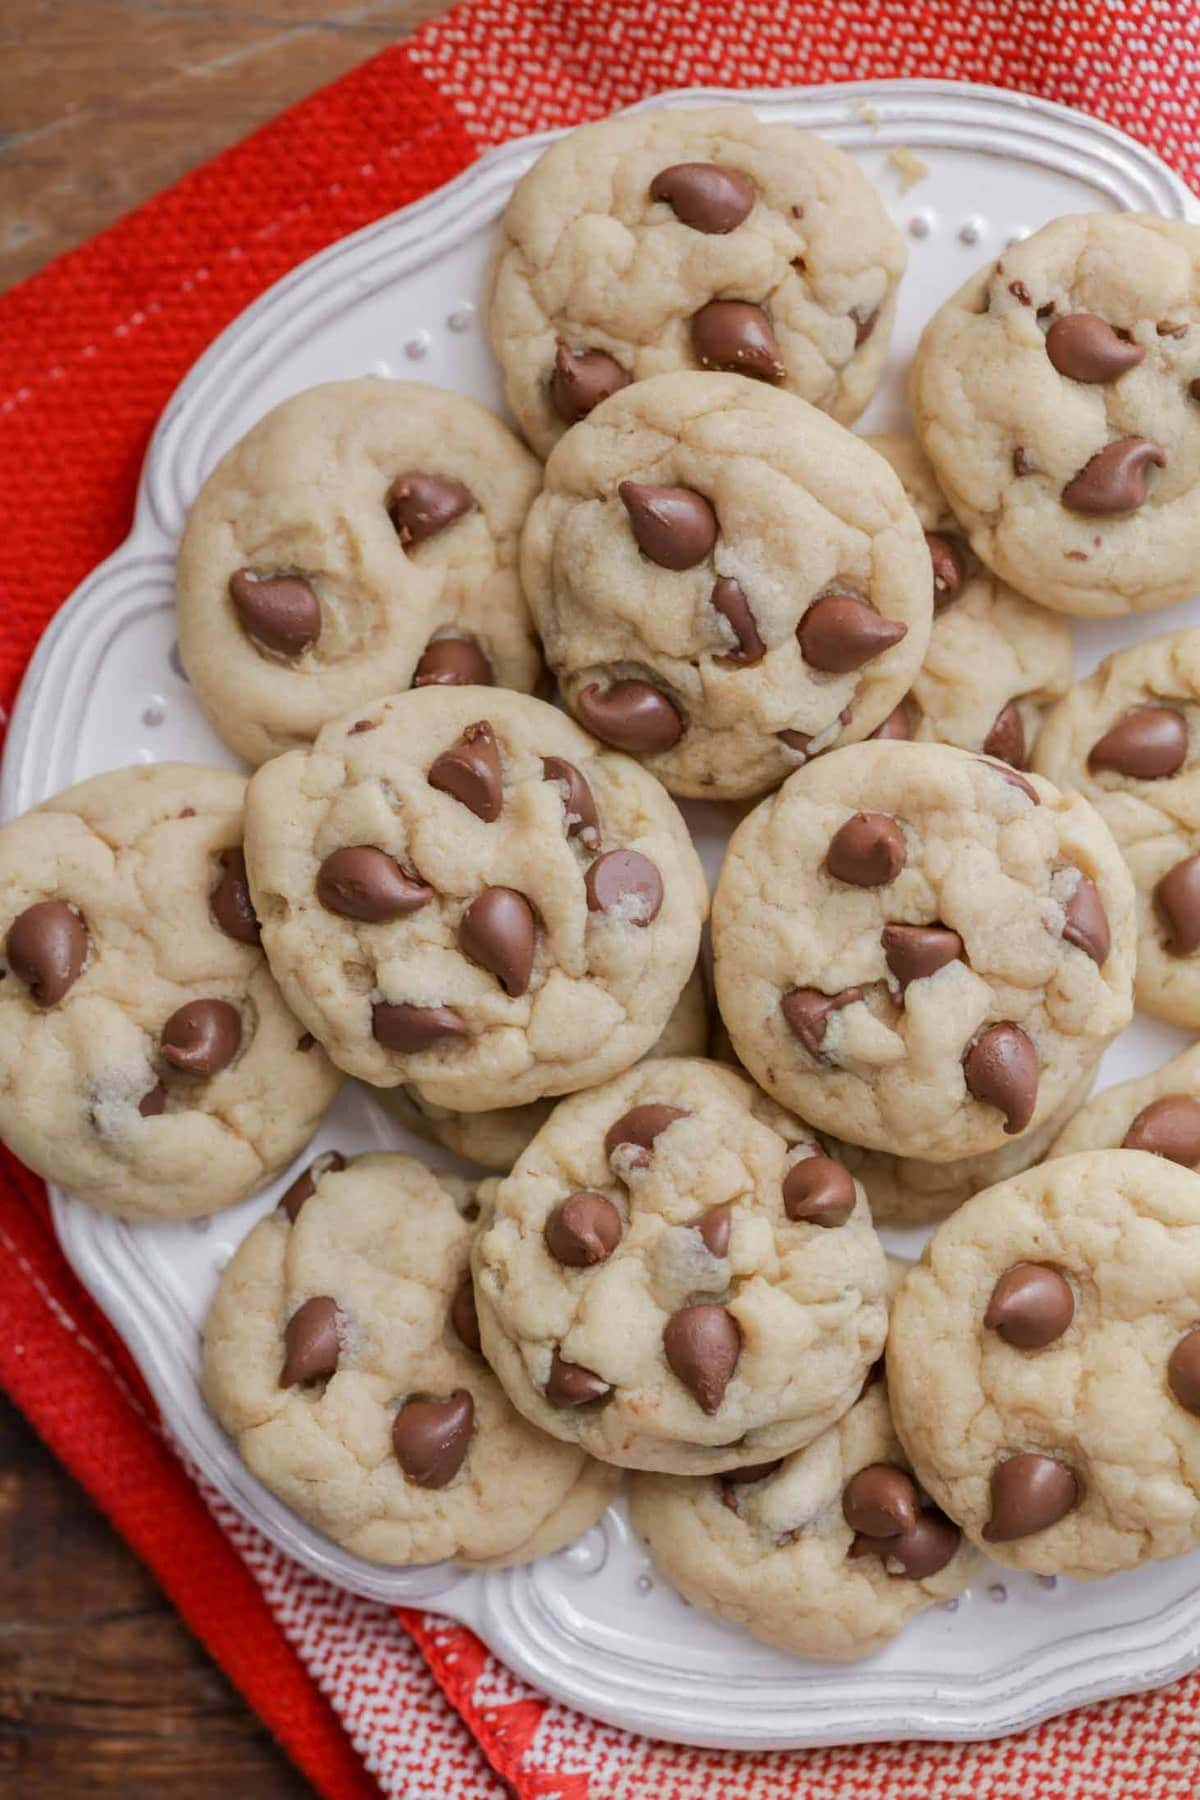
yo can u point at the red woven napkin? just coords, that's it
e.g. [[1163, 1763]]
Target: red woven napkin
[[90, 351]]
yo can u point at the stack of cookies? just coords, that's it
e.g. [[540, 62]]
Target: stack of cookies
[[952, 873]]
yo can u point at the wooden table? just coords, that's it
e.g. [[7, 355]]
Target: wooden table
[[103, 102]]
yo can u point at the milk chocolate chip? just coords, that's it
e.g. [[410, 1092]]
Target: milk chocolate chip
[[579, 805], [949, 568], [867, 851], [880, 1501], [630, 715], [1029, 1493], [570, 1384], [1006, 737], [46, 947], [675, 527], [896, 725], [310, 1342], [702, 1345], [230, 899], [818, 1191], [1114, 480], [1177, 897], [636, 1130], [1085, 348], [627, 882], [1168, 1127], [921, 1551], [464, 1315], [582, 379], [470, 771], [365, 883], [202, 1038], [584, 1230], [806, 1012], [153, 1103], [1001, 1069], [704, 195], [1086, 923], [729, 599], [398, 1025], [1146, 743], [453, 662], [737, 336], [305, 1185], [499, 932], [1183, 1372], [841, 632], [431, 1437], [914, 951], [714, 1227], [420, 506], [280, 612], [1031, 1306]]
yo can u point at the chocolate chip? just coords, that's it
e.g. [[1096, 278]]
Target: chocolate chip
[[398, 1025], [153, 1103], [1087, 922], [896, 725], [922, 1551], [752, 1472], [799, 741], [453, 662], [1114, 480], [818, 1191], [630, 715], [363, 882], [806, 1012], [499, 931], [714, 1228], [864, 325], [1146, 743], [305, 1185], [626, 882], [1177, 897], [1170, 328], [949, 561], [202, 1038], [841, 632], [579, 805], [1168, 1127], [1001, 1069], [584, 1230], [737, 336], [675, 527], [1020, 292], [867, 851], [280, 612], [635, 1131], [361, 725], [310, 1342], [470, 771], [914, 951], [1022, 462], [1194, 389], [431, 1437], [880, 1501], [1183, 1371], [464, 1316], [1085, 348], [702, 1345], [1013, 778], [1029, 1493], [1031, 1306], [729, 599], [230, 899], [704, 195], [570, 1384], [582, 379], [46, 947], [1006, 737], [420, 506]]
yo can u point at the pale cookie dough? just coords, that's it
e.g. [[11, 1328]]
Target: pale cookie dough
[[725, 581], [1159, 1113], [148, 1063], [674, 1277], [921, 950], [341, 1355], [1057, 395], [622, 258], [1129, 739], [461, 892], [362, 537], [995, 661], [494, 1140], [772, 1548], [1044, 1365]]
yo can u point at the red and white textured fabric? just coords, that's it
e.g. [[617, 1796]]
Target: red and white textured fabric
[[366, 1700]]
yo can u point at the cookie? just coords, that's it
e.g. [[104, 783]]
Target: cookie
[[361, 539], [462, 893], [725, 581], [148, 1063], [995, 661], [921, 950], [1057, 395], [1158, 1113], [1129, 739], [828, 1553], [496, 1139], [690, 239], [674, 1278], [1044, 1365], [341, 1354]]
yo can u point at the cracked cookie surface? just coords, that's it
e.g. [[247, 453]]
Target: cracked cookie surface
[[1057, 395], [362, 537], [685, 239], [460, 891], [333, 1358], [1044, 1365], [920, 950], [725, 581], [148, 1062], [674, 1278]]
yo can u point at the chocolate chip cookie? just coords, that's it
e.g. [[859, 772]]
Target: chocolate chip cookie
[[1044, 1365], [675, 1278], [361, 539], [1159, 1113], [1058, 397], [148, 1062], [995, 661], [922, 950], [341, 1354], [725, 581], [1129, 739], [695, 239], [462, 893]]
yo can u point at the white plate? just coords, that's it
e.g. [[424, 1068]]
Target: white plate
[[592, 1626]]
